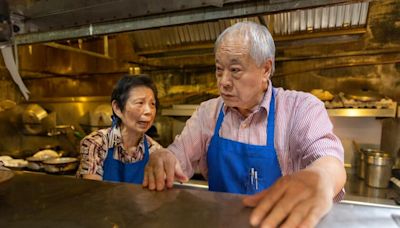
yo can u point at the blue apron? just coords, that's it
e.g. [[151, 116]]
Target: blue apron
[[118, 171], [237, 167]]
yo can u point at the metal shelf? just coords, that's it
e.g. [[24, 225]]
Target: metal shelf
[[187, 110], [177, 112], [361, 112]]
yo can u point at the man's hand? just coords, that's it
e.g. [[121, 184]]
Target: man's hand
[[298, 200], [161, 170]]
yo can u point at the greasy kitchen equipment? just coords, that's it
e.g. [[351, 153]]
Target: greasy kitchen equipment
[[60, 165], [5, 175], [33, 118], [99, 118], [379, 168], [6, 104]]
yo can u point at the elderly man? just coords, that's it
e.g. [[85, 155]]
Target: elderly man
[[274, 144]]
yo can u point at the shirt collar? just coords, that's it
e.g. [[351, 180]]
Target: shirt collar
[[116, 138]]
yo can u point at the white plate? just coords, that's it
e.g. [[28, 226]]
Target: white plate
[[15, 163], [5, 158]]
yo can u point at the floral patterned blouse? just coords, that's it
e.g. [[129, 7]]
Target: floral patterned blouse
[[94, 147]]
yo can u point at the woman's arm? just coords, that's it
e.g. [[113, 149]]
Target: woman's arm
[[92, 152]]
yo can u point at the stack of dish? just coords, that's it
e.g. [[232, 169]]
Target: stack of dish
[[35, 162], [12, 163]]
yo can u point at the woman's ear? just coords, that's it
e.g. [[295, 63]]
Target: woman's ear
[[116, 109]]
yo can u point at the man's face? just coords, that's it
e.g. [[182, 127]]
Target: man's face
[[241, 82]]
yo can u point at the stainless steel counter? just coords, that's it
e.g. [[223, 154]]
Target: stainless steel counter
[[41, 200], [358, 190]]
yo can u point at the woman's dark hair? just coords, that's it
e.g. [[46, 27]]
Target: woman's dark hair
[[121, 90]]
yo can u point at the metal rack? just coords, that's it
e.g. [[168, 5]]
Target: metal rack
[[187, 110]]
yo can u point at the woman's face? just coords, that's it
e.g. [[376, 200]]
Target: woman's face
[[140, 110]]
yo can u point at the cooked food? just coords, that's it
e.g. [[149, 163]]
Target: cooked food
[[321, 94]]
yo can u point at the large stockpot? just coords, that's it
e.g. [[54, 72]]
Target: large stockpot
[[378, 170], [361, 161]]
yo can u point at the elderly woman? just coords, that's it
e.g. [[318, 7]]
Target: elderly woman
[[120, 153]]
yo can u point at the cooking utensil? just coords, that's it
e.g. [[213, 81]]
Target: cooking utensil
[[33, 117], [362, 160], [60, 165], [379, 167], [7, 104]]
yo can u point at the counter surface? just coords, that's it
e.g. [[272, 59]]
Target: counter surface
[[41, 200]]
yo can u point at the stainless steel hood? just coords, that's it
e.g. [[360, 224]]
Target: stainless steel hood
[[179, 36], [41, 21]]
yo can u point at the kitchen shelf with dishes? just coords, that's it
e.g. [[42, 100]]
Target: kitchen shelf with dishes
[[357, 104], [341, 105]]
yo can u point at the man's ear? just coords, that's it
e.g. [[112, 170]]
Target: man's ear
[[267, 69], [116, 109]]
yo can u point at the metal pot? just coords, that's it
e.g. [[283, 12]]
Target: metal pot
[[60, 165], [33, 117], [361, 161], [379, 167]]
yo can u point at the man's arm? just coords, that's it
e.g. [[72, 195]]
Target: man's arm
[[161, 171], [304, 197], [300, 199], [184, 154]]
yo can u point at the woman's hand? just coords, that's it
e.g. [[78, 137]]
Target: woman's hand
[[92, 177]]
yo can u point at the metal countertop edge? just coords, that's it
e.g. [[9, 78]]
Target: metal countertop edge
[[369, 204]]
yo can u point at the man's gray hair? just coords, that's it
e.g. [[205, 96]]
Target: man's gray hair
[[261, 44]]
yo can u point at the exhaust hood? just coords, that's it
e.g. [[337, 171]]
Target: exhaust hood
[[43, 21]]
